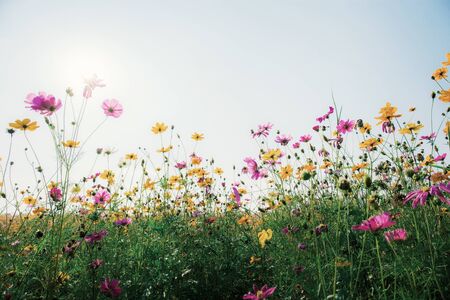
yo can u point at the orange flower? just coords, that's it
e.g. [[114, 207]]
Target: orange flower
[[444, 96], [440, 73], [24, 125]]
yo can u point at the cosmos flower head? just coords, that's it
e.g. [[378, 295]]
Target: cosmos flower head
[[255, 171], [123, 222], [396, 235], [24, 125], [375, 223], [43, 103], [345, 126], [102, 197], [325, 116], [56, 194], [111, 288], [263, 130], [260, 293], [95, 236], [112, 108], [91, 84], [283, 139]]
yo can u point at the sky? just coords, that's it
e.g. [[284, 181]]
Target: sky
[[216, 67]]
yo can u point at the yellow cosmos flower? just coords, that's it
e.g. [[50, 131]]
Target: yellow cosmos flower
[[444, 96], [286, 172], [165, 149], [197, 136], [387, 113], [271, 155], [71, 144], [264, 236], [30, 200], [411, 128], [39, 211], [108, 175], [24, 125], [447, 127], [218, 171], [370, 144], [446, 63], [440, 73], [254, 259], [159, 128], [131, 156], [365, 128], [245, 219], [360, 166], [326, 164]]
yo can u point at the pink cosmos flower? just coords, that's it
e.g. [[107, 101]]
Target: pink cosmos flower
[[112, 108], [420, 196], [375, 223], [237, 196], [95, 236], [283, 139], [316, 128], [440, 157], [91, 84], [345, 126], [96, 263], [123, 222], [263, 130], [43, 103], [326, 116], [259, 294], [180, 165], [253, 168], [429, 137], [102, 196], [111, 288], [387, 127], [305, 138], [396, 235], [296, 145], [56, 194]]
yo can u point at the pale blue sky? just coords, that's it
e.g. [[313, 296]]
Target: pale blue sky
[[220, 67]]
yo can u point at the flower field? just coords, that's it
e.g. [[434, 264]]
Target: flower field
[[310, 216]]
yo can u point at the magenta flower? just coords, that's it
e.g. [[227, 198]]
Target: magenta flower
[[296, 145], [263, 130], [96, 263], [237, 196], [345, 126], [396, 235], [440, 157], [91, 84], [112, 108], [387, 127], [56, 194], [254, 170], [95, 236], [429, 137], [123, 222], [43, 103], [305, 138], [111, 288], [316, 128], [420, 196], [258, 294], [326, 116], [375, 223], [102, 196]]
